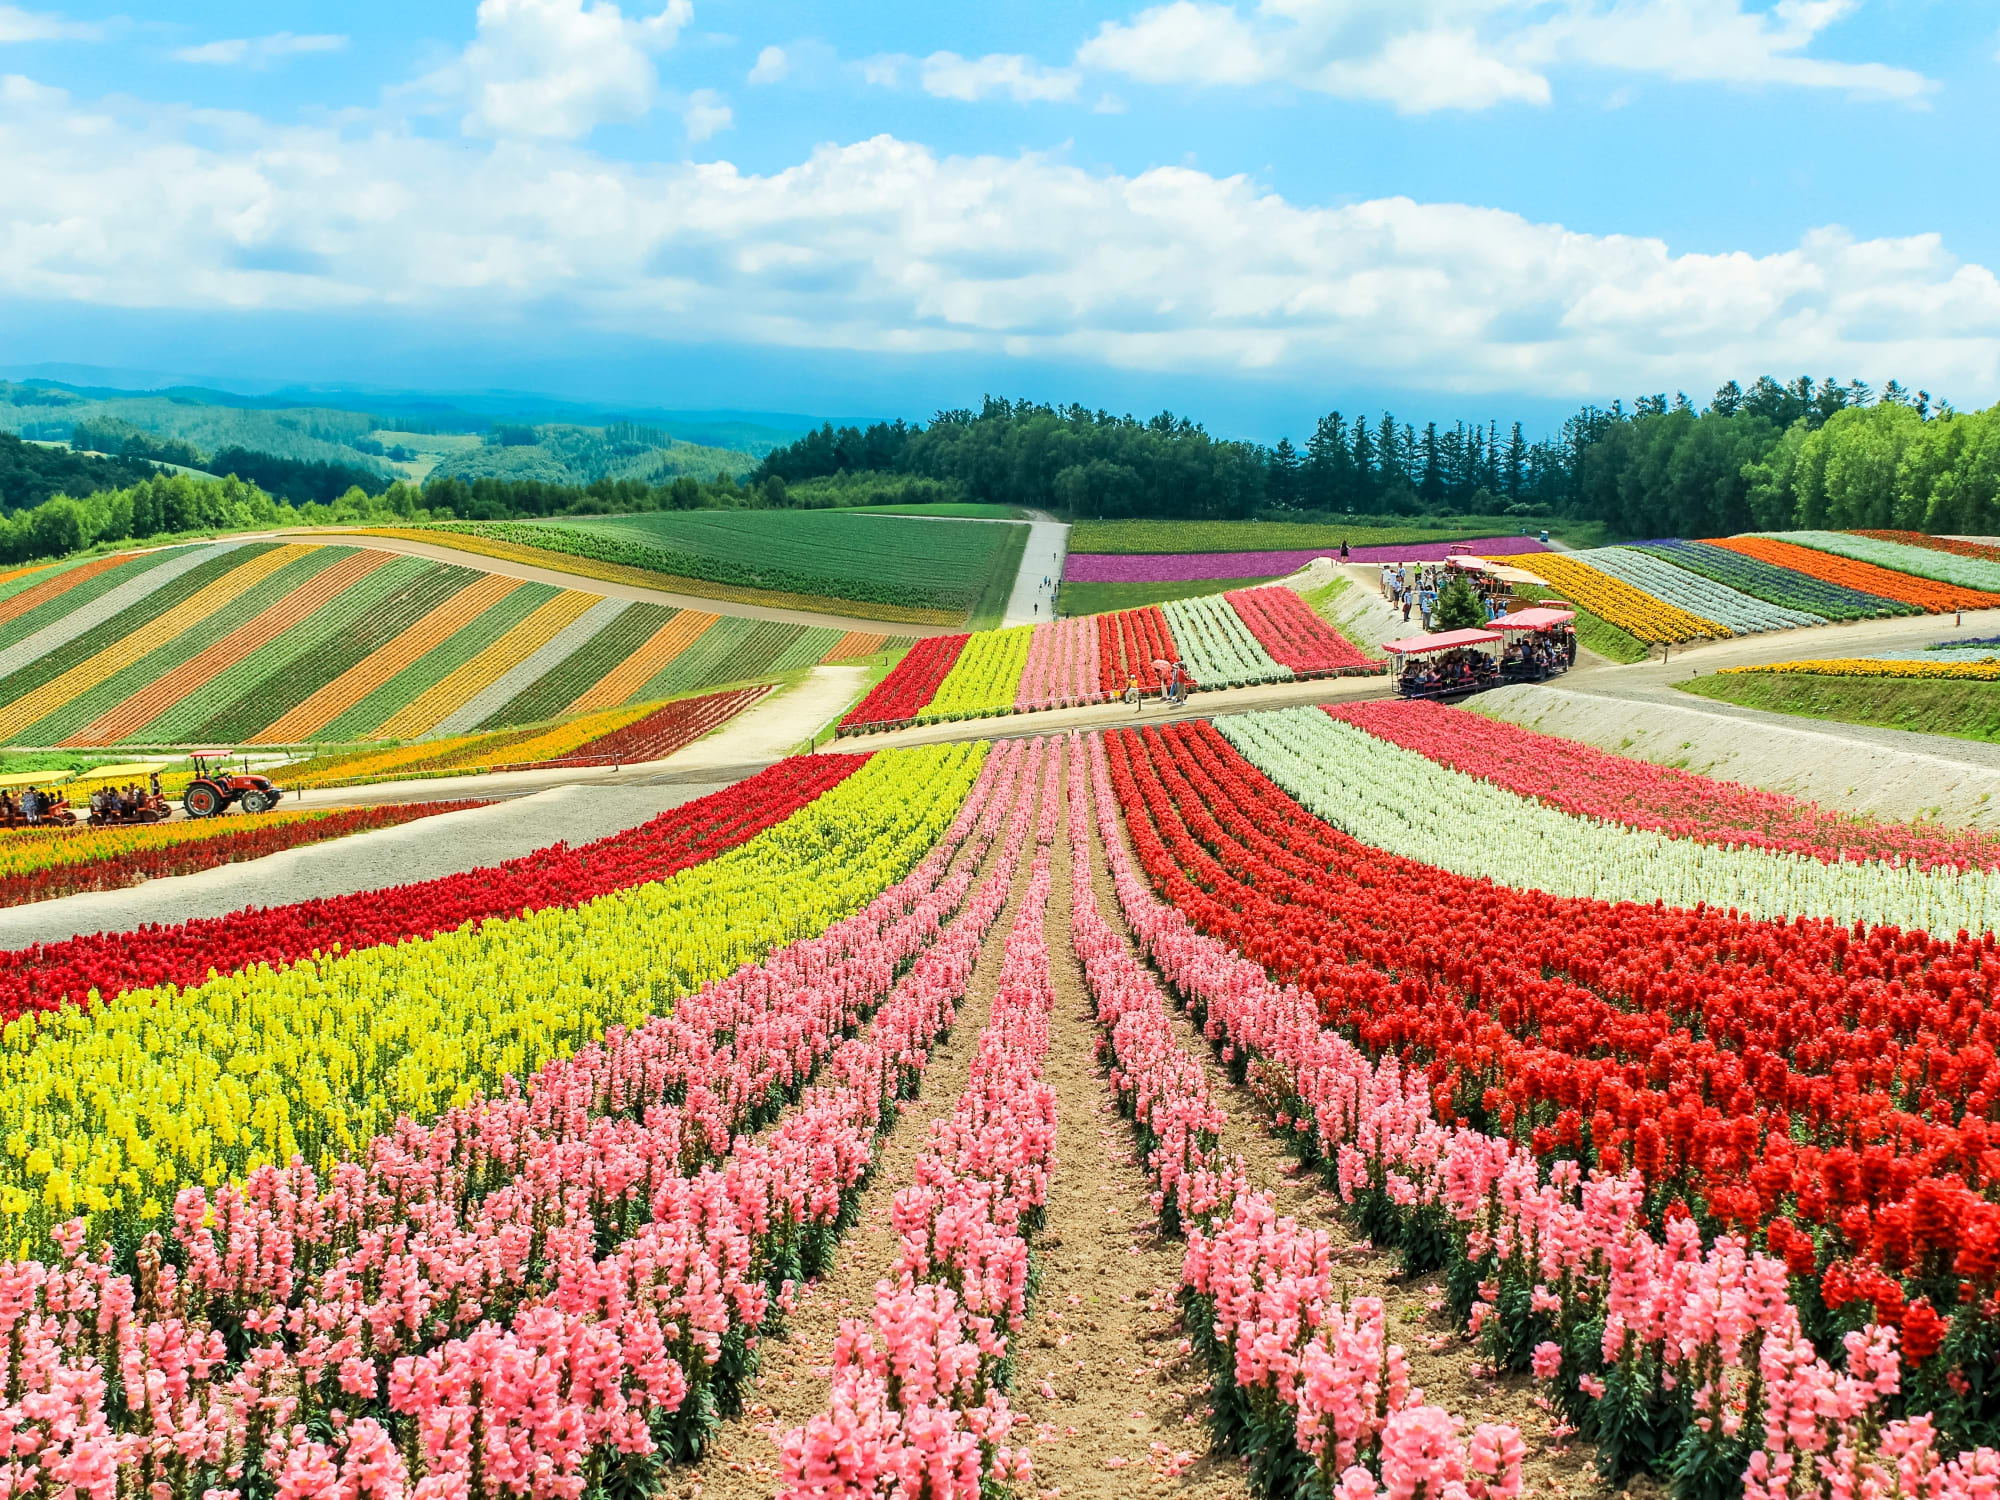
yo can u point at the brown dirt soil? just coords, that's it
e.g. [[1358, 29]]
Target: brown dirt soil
[[795, 1374], [1443, 1360], [1100, 1374]]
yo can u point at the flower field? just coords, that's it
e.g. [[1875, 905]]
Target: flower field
[[1169, 566], [1624, 605], [1986, 670], [1744, 614], [1956, 545], [253, 643], [40, 865], [1781, 586], [502, 1185], [1867, 577], [1217, 646], [1945, 565], [1224, 640]]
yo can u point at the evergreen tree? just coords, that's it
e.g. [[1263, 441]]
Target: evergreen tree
[[1458, 606], [1514, 467], [1728, 400], [1431, 485], [1367, 483], [1284, 474], [1329, 468]]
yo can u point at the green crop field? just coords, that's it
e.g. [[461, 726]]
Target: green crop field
[[1967, 710], [955, 566]]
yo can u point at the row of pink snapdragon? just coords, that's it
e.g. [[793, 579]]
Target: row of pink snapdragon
[[1309, 1388], [1565, 1266], [443, 1310], [1062, 666], [918, 1405]]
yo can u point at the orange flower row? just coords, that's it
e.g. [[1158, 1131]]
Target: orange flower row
[[1934, 598]]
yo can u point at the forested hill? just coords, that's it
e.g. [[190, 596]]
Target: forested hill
[[31, 472], [1773, 456]]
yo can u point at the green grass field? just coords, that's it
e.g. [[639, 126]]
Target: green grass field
[[922, 564], [1964, 710], [1286, 536], [964, 510], [1100, 598]]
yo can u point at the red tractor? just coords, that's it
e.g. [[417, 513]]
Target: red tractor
[[215, 786]]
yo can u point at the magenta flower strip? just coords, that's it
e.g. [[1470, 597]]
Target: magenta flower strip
[[1062, 666], [1200, 567]]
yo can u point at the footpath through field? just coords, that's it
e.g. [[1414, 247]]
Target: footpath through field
[[1033, 602]]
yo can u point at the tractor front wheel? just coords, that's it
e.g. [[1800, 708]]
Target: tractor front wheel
[[256, 802], [202, 801]]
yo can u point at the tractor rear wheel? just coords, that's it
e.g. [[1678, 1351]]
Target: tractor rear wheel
[[202, 801], [256, 802]]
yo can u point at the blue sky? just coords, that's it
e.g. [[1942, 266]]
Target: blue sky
[[1248, 211]]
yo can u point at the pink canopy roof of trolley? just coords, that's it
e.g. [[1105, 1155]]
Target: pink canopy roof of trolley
[[1535, 619], [1445, 640]]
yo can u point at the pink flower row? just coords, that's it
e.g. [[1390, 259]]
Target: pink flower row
[[1554, 1256], [1283, 1346], [916, 1406], [456, 1271], [1592, 783], [1062, 667]]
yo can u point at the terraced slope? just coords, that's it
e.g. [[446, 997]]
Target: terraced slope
[[269, 643]]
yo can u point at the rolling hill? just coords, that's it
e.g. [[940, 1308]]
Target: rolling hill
[[263, 642]]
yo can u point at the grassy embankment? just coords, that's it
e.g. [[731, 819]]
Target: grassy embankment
[[1963, 710]]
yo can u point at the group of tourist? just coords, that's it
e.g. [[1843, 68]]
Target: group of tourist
[[1459, 671], [1414, 588], [1539, 655], [117, 803], [33, 805]]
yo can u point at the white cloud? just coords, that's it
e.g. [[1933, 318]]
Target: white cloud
[[772, 65], [706, 114], [884, 245], [1425, 55], [946, 75], [884, 71], [260, 51], [557, 68], [17, 25]]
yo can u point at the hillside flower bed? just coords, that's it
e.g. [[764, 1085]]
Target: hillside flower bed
[[1888, 583], [1743, 613], [1168, 566], [1944, 565], [1629, 608], [1217, 647], [1293, 634], [1987, 670], [1781, 586]]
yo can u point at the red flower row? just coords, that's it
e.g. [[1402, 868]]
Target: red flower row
[[1592, 784], [1128, 643], [48, 975], [659, 734], [1287, 627], [1747, 1069], [911, 683], [244, 839]]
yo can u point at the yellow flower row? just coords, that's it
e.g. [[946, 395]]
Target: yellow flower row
[[986, 675], [109, 1110], [1613, 599], [1859, 666], [27, 850], [465, 752]]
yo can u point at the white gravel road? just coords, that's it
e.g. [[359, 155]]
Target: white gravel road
[[447, 844]]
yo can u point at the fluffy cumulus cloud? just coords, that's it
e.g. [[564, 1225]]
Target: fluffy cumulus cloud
[[557, 68], [258, 51], [18, 25], [884, 245], [946, 75], [1424, 55]]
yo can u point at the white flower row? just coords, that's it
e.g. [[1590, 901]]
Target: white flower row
[[1743, 613], [1399, 801], [1217, 646], [1920, 562]]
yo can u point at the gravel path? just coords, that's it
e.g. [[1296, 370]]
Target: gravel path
[[447, 844], [1048, 545]]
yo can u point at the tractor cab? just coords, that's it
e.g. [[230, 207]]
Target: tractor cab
[[216, 785]]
